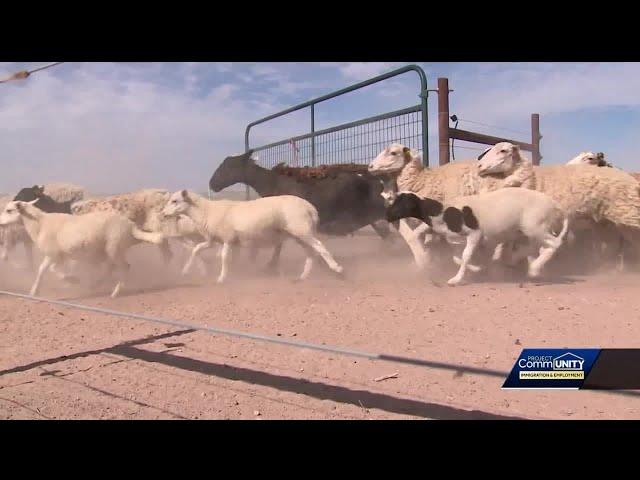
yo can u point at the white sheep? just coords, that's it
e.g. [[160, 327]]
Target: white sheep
[[588, 195], [64, 192], [144, 208], [403, 170], [12, 235], [603, 200], [589, 158], [265, 221], [501, 216], [94, 237]]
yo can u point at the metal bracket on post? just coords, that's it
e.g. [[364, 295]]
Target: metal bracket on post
[[313, 137]]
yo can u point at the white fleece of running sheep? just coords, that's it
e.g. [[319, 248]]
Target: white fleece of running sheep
[[94, 237], [265, 221], [584, 192], [503, 215], [11, 235], [144, 208]]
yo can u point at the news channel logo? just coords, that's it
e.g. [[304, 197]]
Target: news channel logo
[[551, 368]]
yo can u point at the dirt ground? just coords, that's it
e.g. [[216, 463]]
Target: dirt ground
[[62, 363]]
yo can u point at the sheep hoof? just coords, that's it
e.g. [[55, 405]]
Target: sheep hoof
[[533, 273], [454, 281], [116, 291]]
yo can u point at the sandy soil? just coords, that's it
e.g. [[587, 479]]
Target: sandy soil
[[61, 363]]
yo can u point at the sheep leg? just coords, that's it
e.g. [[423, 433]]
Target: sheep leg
[[317, 245], [61, 274], [122, 268], [224, 256], [44, 266], [473, 268], [167, 254], [549, 247], [620, 263], [420, 255], [498, 252], [190, 245], [383, 231], [28, 251], [473, 240], [197, 249], [308, 264], [535, 265], [519, 254], [275, 258]]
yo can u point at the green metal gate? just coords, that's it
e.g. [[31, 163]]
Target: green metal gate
[[353, 142]]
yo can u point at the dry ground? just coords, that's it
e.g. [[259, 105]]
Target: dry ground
[[61, 363]]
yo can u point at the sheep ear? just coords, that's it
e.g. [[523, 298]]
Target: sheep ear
[[406, 151], [484, 153], [32, 202], [185, 196]]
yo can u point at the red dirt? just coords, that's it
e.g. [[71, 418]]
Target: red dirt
[[61, 363]]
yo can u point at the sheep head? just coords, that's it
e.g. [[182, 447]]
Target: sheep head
[[584, 158], [178, 204], [589, 158], [392, 160], [13, 211], [502, 158]]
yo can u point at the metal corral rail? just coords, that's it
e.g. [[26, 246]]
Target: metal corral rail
[[266, 338], [353, 142]]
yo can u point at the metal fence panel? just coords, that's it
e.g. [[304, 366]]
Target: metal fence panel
[[354, 142]]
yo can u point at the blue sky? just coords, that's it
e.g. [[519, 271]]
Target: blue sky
[[116, 127]]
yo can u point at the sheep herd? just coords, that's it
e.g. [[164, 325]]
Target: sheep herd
[[499, 203]]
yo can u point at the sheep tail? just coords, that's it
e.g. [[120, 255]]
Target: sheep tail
[[151, 237]]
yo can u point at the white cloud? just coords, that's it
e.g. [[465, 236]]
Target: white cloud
[[365, 70], [547, 89], [118, 127], [118, 131]]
